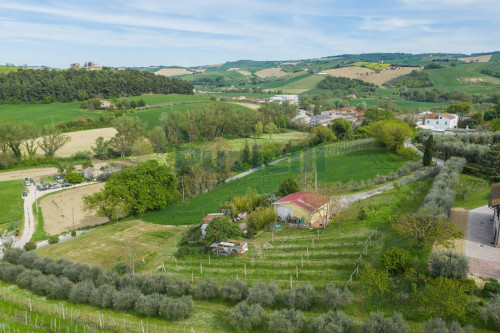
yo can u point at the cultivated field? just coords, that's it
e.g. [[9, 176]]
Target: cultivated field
[[172, 71], [58, 210], [482, 58], [11, 207], [27, 173], [369, 75], [252, 106], [84, 140], [271, 72], [371, 65]]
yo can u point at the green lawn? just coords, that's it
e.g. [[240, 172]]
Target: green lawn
[[478, 195], [11, 207], [446, 78], [164, 99], [402, 105], [356, 165], [6, 69], [309, 82]]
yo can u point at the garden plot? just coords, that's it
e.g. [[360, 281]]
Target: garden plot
[[58, 210], [368, 75]]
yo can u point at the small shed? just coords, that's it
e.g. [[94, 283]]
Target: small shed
[[307, 205], [229, 248]]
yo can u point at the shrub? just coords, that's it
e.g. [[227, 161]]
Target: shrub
[[491, 312], [491, 288], [12, 255], [56, 267], [287, 321], [333, 322], [449, 263], [39, 285], [234, 291], [58, 288], [468, 285], [376, 281], [395, 260], [53, 239], [27, 259], [109, 277], [30, 246], [131, 281], [178, 309], [207, 289], [26, 278], [334, 297], [148, 305], [261, 218], [71, 272], [81, 292], [154, 284], [377, 323], [438, 325], [125, 298], [444, 297], [263, 294], [177, 287], [81, 155], [9, 272], [245, 317], [74, 178], [300, 298], [103, 296], [407, 153], [73, 233]]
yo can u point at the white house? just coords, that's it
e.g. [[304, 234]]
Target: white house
[[441, 121], [292, 99]]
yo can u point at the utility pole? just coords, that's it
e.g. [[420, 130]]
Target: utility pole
[[73, 213], [316, 178], [183, 197], [36, 202]]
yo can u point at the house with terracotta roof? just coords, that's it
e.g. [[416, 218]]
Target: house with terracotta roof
[[310, 206], [441, 121]]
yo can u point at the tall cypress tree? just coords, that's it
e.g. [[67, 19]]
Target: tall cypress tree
[[245, 155], [428, 152], [490, 164]]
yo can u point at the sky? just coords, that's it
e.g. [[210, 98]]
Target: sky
[[131, 33]]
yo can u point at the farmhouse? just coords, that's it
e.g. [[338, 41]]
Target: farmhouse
[[307, 205], [207, 219], [440, 122], [494, 203], [76, 66], [105, 104], [292, 99], [229, 248]]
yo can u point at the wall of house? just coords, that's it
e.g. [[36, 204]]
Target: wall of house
[[441, 123], [296, 210]]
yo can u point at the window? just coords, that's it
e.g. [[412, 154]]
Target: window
[[428, 121], [437, 122], [446, 123]]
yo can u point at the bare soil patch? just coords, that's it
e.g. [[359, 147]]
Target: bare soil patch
[[368, 75], [84, 140], [252, 106], [270, 72], [58, 210], [246, 73], [482, 58], [27, 173], [172, 71]]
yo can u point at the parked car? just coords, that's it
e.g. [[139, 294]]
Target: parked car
[[32, 180], [45, 188], [56, 177], [66, 185], [25, 194], [54, 186], [27, 183], [39, 188]]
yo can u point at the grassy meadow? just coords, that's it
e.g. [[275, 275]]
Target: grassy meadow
[[11, 207], [478, 193], [356, 165]]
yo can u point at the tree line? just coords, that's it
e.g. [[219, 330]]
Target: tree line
[[48, 86]]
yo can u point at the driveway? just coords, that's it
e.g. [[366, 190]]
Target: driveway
[[479, 243]]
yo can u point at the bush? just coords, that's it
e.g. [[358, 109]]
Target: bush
[[81, 155], [491, 288], [154, 284], [261, 218], [149, 305], [438, 325], [73, 233], [103, 296], [335, 298], [234, 291], [178, 309], [53, 239], [300, 298], [263, 294], [333, 322], [25, 279], [81, 292], [12, 255], [39, 285], [74, 178], [58, 288], [407, 153], [30, 246], [377, 323], [27, 259], [491, 312], [395, 260], [56, 267], [245, 317], [177, 287], [9, 272], [449, 263], [125, 299], [131, 281], [444, 297], [287, 321], [207, 289]]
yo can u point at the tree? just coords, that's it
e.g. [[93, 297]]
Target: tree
[[449, 263], [52, 140], [429, 151], [265, 295], [288, 186], [157, 138], [342, 129], [321, 134], [495, 125], [489, 163], [234, 290], [245, 317], [300, 298], [287, 321], [376, 114], [376, 281], [245, 155], [335, 298], [333, 322], [270, 129], [74, 178], [444, 297], [101, 148], [395, 260], [426, 227], [377, 323], [257, 158], [14, 134], [438, 325], [392, 133], [207, 289], [491, 312], [220, 229], [129, 130], [142, 147], [465, 185], [259, 128], [460, 109]]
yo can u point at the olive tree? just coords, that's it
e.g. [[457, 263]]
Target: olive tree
[[300, 298], [287, 321], [207, 289], [377, 323], [335, 298], [234, 291], [333, 322], [245, 317], [265, 295]]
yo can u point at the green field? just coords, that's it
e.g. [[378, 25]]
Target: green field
[[278, 83], [230, 78], [371, 65], [478, 195], [356, 165], [6, 69], [308, 83], [165, 99], [11, 207], [402, 105], [446, 79]]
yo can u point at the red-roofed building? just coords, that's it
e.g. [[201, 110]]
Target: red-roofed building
[[307, 205], [211, 216], [440, 121]]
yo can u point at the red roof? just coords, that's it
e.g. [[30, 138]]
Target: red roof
[[308, 200], [436, 116], [210, 217]]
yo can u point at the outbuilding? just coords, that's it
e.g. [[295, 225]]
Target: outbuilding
[[308, 206]]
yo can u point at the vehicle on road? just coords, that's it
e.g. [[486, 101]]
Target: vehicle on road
[[25, 194]]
